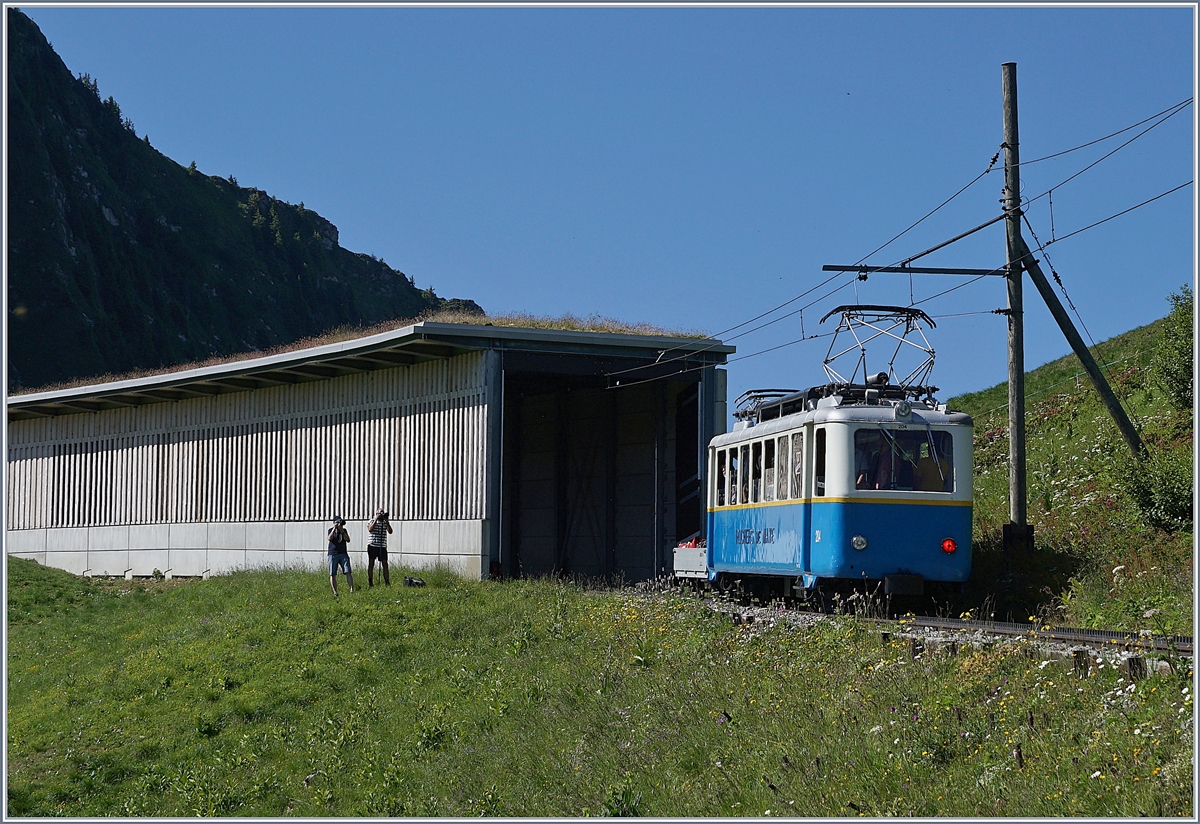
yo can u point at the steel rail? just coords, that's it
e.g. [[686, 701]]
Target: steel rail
[[1129, 641], [1114, 640]]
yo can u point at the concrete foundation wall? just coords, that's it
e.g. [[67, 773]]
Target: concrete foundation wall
[[186, 550]]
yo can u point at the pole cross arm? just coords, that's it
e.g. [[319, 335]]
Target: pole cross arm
[[1030, 264], [912, 270]]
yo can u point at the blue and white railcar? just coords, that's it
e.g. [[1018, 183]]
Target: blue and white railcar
[[862, 485]]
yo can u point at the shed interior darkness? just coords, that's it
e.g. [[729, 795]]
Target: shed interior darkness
[[598, 482]]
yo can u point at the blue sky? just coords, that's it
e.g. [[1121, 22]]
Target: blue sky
[[688, 167]]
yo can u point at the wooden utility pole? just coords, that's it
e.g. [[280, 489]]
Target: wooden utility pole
[[1018, 536]]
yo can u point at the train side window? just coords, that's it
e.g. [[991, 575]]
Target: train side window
[[756, 466], [798, 465], [781, 469], [720, 477], [769, 470], [744, 478], [733, 477], [819, 465]]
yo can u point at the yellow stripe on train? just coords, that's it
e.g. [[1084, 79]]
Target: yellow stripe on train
[[916, 501]]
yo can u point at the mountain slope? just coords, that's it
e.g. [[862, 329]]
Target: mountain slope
[[1106, 556], [119, 258]]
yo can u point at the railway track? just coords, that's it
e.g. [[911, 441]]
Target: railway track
[[937, 630], [1073, 636]]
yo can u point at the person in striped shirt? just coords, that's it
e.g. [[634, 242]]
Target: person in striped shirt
[[377, 547]]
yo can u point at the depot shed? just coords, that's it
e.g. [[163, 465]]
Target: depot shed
[[543, 450]]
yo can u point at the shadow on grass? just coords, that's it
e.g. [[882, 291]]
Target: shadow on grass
[[1012, 587]]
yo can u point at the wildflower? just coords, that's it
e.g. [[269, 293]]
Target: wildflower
[[1097, 774]]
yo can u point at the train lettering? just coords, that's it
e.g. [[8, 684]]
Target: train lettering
[[755, 536]]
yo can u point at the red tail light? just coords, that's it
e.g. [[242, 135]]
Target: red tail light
[[949, 545]]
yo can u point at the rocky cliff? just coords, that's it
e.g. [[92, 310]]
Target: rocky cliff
[[119, 258]]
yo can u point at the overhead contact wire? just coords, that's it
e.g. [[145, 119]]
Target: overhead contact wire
[[1105, 157], [1180, 105], [1160, 118], [731, 328], [1057, 279], [1118, 214]]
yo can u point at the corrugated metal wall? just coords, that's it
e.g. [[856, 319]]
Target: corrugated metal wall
[[410, 439]]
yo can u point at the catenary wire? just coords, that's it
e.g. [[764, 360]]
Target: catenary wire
[[1057, 279], [684, 370], [782, 345], [1179, 105], [1074, 377], [1042, 248], [1160, 117], [975, 180], [963, 314], [1118, 214], [732, 328], [731, 360], [1103, 157], [959, 286], [1164, 115], [978, 177]]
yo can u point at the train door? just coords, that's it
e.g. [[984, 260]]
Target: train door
[[723, 479], [799, 493], [817, 553]]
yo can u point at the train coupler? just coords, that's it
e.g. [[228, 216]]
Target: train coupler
[[901, 584]]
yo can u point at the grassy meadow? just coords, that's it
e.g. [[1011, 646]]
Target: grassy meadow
[[258, 694]]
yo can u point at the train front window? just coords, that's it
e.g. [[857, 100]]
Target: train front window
[[903, 460]]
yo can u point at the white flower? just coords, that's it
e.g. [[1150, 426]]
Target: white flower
[[876, 729], [1096, 774]]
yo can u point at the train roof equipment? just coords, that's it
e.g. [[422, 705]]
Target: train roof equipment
[[860, 325]]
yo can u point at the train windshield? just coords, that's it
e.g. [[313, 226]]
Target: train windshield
[[903, 460]]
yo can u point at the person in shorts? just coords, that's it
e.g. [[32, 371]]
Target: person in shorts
[[377, 547], [339, 556]]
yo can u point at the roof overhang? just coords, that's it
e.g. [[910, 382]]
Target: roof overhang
[[418, 343]]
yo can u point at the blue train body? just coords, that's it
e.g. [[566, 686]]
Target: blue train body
[[846, 487]]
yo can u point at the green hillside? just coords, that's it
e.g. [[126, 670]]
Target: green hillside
[[258, 694], [1114, 537], [119, 258]]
